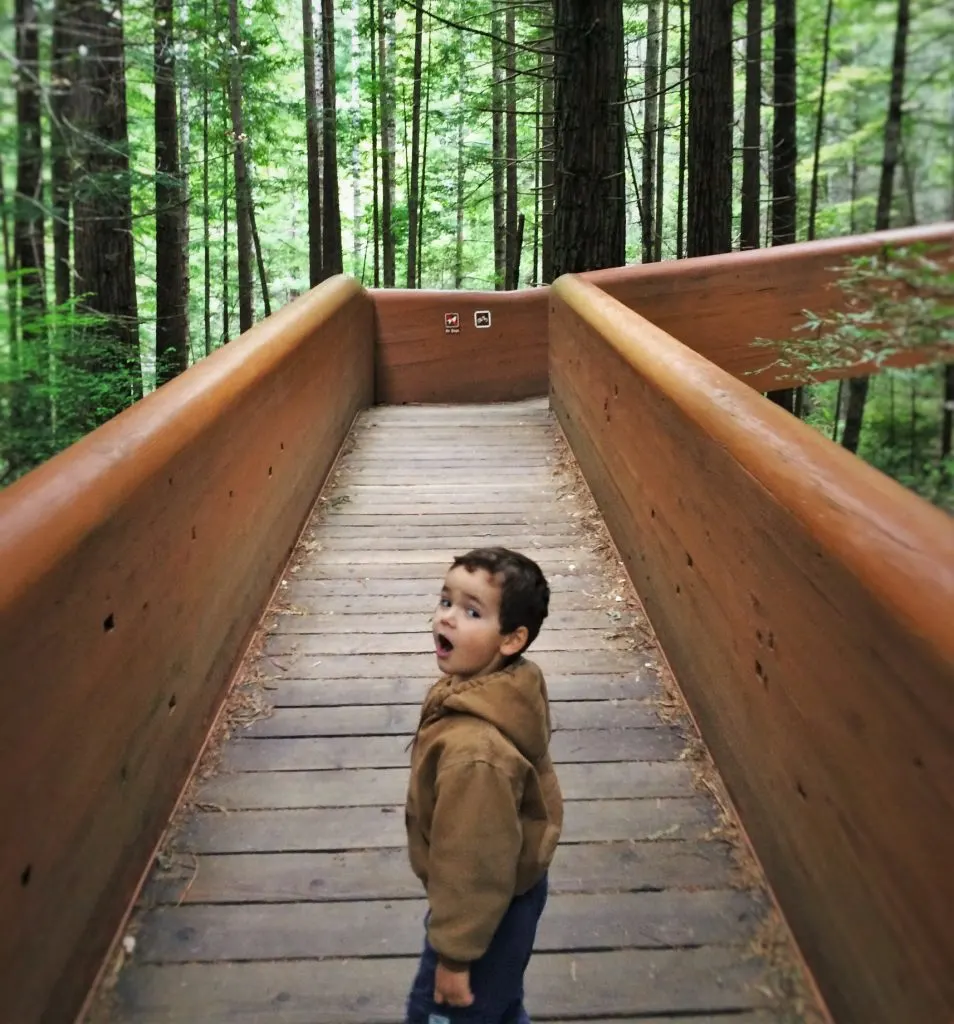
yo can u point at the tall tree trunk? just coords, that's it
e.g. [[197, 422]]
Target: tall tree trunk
[[661, 132], [386, 64], [172, 353], [752, 129], [357, 213], [60, 169], [650, 126], [31, 399], [313, 120], [858, 386], [547, 176], [947, 417], [259, 258], [102, 213], [537, 166], [375, 205], [243, 196], [331, 231], [784, 130], [423, 185], [784, 148], [206, 211], [461, 165], [185, 162], [893, 122], [589, 226], [226, 328], [710, 127], [499, 156], [683, 134], [412, 196], [820, 122], [513, 204]]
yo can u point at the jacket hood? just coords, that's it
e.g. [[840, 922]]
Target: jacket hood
[[514, 700]]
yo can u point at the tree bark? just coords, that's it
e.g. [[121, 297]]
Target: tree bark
[[589, 224], [331, 229], [386, 57], [513, 204], [206, 210], [109, 374], [60, 169], [820, 123], [784, 131], [375, 205], [313, 119], [710, 127], [172, 352], [243, 197], [547, 183], [499, 156], [650, 127], [226, 328], [413, 199], [461, 165], [357, 212], [752, 130], [893, 122], [661, 133], [423, 184], [858, 386], [683, 134]]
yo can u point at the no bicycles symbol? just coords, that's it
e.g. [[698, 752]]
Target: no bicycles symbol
[[482, 318]]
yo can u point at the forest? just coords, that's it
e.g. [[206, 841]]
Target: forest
[[171, 171]]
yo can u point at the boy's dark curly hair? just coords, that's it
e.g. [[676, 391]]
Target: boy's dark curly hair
[[524, 591]]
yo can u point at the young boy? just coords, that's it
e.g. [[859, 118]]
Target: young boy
[[484, 809]]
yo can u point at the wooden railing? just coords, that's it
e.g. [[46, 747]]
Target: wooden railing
[[805, 603], [718, 305], [134, 567]]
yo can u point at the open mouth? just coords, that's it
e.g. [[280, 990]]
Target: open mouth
[[443, 646]]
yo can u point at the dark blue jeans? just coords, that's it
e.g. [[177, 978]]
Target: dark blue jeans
[[496, 979]]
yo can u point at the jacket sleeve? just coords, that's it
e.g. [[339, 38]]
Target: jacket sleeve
[[475, 846]]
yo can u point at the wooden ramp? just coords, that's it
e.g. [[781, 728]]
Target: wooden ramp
[[287, 898]]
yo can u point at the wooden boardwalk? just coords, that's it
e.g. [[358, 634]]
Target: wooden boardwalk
[[291, 900]]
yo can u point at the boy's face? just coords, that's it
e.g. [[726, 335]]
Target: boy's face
[[467, 637]]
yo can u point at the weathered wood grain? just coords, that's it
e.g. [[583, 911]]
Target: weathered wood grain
[[359, 621], [373, 786], [359, 828], [332, 752], [385, 874], [661, 981]]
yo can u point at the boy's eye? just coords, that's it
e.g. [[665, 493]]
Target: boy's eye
[[473, 613], [444, 602]]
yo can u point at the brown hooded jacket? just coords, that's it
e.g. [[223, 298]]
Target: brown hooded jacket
[[484, 809]]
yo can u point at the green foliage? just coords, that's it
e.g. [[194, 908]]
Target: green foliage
[[893, 301]]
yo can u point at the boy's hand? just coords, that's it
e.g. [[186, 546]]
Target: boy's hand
[[452, 986]]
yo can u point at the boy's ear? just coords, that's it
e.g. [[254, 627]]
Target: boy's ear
[[514, 642]]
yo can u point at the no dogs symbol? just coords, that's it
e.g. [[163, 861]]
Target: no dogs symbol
[[452, 323]]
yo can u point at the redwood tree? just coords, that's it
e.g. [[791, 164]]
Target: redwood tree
[[589, 221], [709, 220]]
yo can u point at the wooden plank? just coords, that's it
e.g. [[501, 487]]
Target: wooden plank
[[373, 991], [289, 931], [385, 874], [341, 515], [285, 692], [565, 591], [357, 620], [401, 719], [434, 571], [377, 786], [281, 641], [378, 666], [569, 746], [360, 828], [374, 559]]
